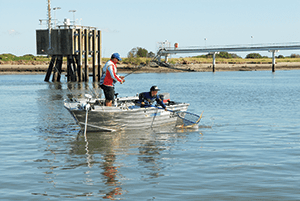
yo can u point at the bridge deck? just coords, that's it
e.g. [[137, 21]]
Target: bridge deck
[[231, 48]]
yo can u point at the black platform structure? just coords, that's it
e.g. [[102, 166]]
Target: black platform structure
[[80, 45]]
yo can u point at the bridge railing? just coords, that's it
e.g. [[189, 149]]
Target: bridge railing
[[239, 46]]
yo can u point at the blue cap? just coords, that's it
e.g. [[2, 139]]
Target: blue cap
[[117, 56]]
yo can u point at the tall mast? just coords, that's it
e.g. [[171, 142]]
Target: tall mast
[[49, 14]]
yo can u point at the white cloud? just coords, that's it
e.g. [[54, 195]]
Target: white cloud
[[13, 32], [107, 30]]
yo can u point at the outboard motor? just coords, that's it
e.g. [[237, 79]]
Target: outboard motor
[[165, 97]]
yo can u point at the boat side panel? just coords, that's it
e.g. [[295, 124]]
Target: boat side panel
[[116, 118]]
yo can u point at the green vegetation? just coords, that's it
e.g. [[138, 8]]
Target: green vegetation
[[194, 60], [220, 55], [138, 52], [255, 56], [26, 57], [294, 56], [139, 59]]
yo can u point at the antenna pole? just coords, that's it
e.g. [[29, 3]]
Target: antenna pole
[[49, 14], [49, 23]]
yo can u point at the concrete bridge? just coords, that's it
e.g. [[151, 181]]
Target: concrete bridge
[[270, 47]]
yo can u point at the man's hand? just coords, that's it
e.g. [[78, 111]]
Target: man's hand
[[122, 78]]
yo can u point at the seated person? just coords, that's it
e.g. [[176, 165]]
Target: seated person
[[148, 98]]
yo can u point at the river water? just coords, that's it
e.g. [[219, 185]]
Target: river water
[[247, 146]]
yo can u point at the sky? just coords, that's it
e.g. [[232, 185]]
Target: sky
[[127, 24]]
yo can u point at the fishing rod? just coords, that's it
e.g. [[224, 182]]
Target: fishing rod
[[133, 71]]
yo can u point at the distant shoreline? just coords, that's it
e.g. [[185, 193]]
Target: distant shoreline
[[204, 67]]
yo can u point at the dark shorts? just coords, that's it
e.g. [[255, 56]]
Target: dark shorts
[[109, 92]]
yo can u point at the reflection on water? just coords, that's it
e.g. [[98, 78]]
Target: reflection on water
[[79, 89], [102, 157]]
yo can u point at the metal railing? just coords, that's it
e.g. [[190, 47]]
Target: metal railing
[[76, 27], [231, 48]]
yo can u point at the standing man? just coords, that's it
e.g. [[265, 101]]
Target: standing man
[[109, 78], [148, 98]]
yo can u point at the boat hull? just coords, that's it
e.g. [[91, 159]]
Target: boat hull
[[102, 118]]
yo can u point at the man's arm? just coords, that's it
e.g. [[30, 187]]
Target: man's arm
[[141, 97], [159, 101], [113, 74]]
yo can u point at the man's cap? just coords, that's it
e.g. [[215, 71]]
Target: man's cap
[[117, 56], [154, 88]]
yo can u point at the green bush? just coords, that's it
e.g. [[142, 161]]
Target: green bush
[[295, 56], [140, 52], [280, 56], [7, 57], [26, 57], [225, 55], [253, 56]]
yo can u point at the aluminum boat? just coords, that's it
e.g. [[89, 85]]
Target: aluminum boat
[[126, 114]]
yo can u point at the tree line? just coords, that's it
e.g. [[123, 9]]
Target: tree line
[[142, 52], [139, 52]]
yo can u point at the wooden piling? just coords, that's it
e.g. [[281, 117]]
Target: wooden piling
[[57, 69], [69, 73], [71, 69], [79, 57], [74, 64], [50, 68], [94, 58], [99, 54], [86, 55]]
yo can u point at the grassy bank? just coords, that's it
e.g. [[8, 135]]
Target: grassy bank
[[27, 57], [32, 60], [231, 61]]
